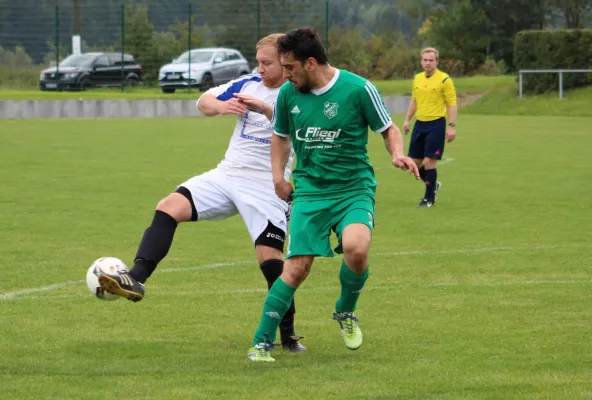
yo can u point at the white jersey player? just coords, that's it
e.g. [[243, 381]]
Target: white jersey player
[[241, 184]]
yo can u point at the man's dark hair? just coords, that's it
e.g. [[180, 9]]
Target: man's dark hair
[[304, 43]]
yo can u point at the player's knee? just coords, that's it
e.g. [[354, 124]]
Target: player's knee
[[356, 245], [356, 257], [177, 206], [296, 270], [430, 163]]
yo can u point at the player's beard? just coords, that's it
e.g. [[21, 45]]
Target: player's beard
[[304, 87]]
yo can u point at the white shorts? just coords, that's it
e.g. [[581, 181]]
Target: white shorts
[[218, 196]]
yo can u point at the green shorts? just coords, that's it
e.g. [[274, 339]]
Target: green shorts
[[311, 223]]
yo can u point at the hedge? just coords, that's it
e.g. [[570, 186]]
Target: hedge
[[553, 49]]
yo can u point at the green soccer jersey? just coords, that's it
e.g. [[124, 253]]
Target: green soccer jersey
[[328, 128]]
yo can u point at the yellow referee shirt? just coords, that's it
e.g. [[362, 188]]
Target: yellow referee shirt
[[432, 95]]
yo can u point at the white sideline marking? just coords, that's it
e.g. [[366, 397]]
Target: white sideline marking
[[25, 292], [381, 287], [337, 288], [477, 250], [9, 295], [446, 161], [207, 266]]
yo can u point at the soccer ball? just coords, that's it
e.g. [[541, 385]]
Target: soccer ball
[[108, 265]]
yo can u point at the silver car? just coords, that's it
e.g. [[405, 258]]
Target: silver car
[[208, 67]]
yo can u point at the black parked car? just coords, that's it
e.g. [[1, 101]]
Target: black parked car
[[83, 71]]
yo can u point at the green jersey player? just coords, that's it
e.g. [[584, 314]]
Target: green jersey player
[[324, 113]]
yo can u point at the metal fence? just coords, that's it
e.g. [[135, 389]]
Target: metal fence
[[560, 73], [39, 34]]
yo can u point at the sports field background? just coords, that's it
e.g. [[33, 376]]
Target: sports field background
[[485, 296]]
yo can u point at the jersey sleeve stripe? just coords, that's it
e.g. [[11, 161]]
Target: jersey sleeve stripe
[[280, 134], [380, 103], [382, 112], [384, 128], [375, 105], [236, 86]]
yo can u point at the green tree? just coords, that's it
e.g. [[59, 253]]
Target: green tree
[[138, 31], [574, 12], [460, 32], [348, 50]]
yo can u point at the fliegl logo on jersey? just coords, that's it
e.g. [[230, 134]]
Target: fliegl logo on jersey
[[315, 134]]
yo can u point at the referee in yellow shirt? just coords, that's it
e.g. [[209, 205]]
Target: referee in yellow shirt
[[433, 97]]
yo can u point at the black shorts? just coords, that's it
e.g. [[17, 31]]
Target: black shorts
[[427, 139]]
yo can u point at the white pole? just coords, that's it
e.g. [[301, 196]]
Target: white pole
[[561, 84]]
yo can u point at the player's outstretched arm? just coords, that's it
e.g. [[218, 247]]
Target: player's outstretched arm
[[256, 105], [210, 106], [393, 140], [280, 154]]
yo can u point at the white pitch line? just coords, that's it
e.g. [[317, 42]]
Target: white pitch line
[[24, 292], [208, 266], [475, 250], [380, 287], [9, 295], [337, 288], [446, 161]]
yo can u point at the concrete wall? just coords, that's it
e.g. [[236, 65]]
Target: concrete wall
[[24, 109]]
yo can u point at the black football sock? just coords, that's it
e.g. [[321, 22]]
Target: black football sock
[[430, 182], [272, 269], [422, 173], [154, 246]]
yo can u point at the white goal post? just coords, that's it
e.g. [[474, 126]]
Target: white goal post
[[550, 71]]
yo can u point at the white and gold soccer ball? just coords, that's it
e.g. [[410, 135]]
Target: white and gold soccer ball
[[107, 265]]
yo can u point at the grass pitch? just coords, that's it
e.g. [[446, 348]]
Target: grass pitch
[[485, 296]]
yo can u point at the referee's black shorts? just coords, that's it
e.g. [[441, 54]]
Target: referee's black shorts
[[428, 139]]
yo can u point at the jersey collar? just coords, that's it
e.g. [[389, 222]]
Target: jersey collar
[[328, 86]]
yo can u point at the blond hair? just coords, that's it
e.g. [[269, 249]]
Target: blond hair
[[431, 50], [269, 40]]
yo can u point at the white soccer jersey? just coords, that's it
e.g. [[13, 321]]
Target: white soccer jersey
[[249, 152]]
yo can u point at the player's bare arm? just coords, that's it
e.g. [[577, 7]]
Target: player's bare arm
[[280, 153], [256, 105], [210, 106], [451, 130], [393, 140], [410, 112]]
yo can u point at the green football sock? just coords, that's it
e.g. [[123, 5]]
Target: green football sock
[[351, 286], [276, 304]]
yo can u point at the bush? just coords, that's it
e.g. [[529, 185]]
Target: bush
[[15, 58], [392, 56], [348, 51], [553, 49], [17, 70], [384, 56], [19, 78], [452, 67], [491, 68]]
